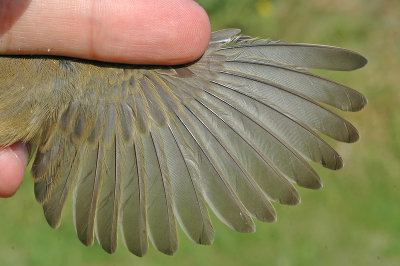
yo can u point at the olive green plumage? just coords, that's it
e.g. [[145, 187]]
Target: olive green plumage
[[145, 146]]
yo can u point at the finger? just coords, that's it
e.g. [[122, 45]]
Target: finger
[[139, 32], [13, 162]]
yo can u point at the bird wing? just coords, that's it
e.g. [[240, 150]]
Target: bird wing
[[145, 146]]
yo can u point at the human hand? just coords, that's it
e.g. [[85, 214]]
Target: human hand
[[162, 32]]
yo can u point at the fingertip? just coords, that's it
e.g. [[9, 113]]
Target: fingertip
[[199, 32], [167, 32], [191, 37], [13, 161]]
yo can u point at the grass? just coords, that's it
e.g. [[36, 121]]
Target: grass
[[353, 220]]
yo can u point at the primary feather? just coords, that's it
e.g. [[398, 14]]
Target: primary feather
[[144, 147]]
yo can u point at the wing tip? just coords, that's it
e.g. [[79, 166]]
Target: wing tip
[[344, 59], [53, 222], [355, 61], [140, 251], [85, 239], [313, 182], [170, 251], [205, 238], [360, 60], [292, 199], [354, 135], [109, 249], [40, 196], [248, 227], [362, 103]]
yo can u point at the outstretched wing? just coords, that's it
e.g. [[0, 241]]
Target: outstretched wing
[[144, 147]]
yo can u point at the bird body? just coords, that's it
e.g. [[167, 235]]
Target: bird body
[[144, 147]]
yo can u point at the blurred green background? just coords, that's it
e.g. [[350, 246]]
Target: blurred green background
[[353, 220]]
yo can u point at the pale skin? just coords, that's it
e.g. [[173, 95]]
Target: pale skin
[[138, 32]]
